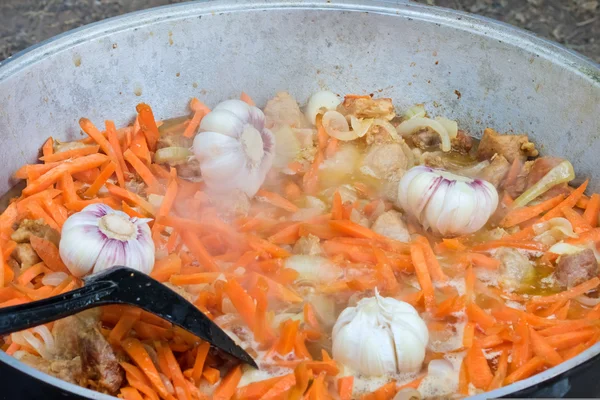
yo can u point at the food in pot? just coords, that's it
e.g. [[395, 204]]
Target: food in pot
[[355, 250]]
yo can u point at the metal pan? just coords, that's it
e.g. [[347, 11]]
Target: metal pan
[[477, 71]]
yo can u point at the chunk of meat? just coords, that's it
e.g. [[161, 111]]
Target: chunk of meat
[[574, 269], [496, 171], [308, 245], [390, 224], [283, 109], [368, 107], [136, 185], [510, 146], [515, 270], [540, 167], [462, 143], [67, 370], [79, 336], [189, 170], [520, 184], [425, 139], [38, 228], [385, 161], [25, 256]]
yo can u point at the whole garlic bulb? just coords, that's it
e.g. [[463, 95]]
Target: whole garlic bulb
[[98, 238], [449, 204], [380, 336], [234, 148]]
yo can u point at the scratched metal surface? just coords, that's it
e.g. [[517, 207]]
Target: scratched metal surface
[[480, 72]]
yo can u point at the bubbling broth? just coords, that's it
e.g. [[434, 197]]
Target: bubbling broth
[[355, 250]]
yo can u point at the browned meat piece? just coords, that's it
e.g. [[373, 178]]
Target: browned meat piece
[[496, 171], [189, 170], [38, 228], [574, 269], [25, 256], [425, 139], [79, 336], [385, 161], [66, 370], [136, 186], [367, 107], [462, 143], [520, 184], [510, 146], [283, 109], [308, 245]]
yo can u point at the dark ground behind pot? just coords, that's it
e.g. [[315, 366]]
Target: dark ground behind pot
[[575, 23]]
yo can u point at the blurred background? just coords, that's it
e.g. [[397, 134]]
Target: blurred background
[[574, 23]]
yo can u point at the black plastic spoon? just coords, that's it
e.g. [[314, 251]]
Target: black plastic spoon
[[121, 285]]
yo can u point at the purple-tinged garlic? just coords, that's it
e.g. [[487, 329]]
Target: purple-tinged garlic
[[449, 204], [98, 238], [234, 149]]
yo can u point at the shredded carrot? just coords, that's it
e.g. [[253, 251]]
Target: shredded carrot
[[106, 173], [227, 388], [310, 181], [247, 99], [166, 268], [148, 125], [478, 368], [139, 147], [130, 197], [518, 215], [592, 210], [199, 361], [74, 153], [139, 355], [501, 371], [141, 169], [526, 370], [90, 129], [48, 147], [199, 251], [543, 349], [435, 270], [276, 200], [418, 260], [568, 294]]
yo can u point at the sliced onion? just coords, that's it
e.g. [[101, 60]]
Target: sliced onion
[[450, 125], [416, 111], [336, 126], [564, 249], [46, 336], [361, 126], [388, 127], [19, 354], [280, 318], [474, 170], [54, 278], [167, 382], [588, 301], [553, 230], [172, 155], [562, 173], [413, 125], [156, 200]]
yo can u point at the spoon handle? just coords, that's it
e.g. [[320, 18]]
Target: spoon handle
[[23, 316]]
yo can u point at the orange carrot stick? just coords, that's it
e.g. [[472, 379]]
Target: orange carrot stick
[[90, 129], [148, 125], [228, 386], [74, 153], [106, 173], [276, 200], [418, 259], [130, 197], [543, 349], [48, 252], [247, 99], [199, 251], [48, 147], [501, 372], [592, 210], [478, 369], [337, 210], [242, 301], [139, 355], [435, 270], [518, 215], [113, 139], [141, 169], [579, 223], [140, 148], [200, 361], [526, 370]]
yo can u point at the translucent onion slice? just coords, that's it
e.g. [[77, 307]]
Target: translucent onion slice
[[360, 126], [388, 127], [416, 111], [412, 125], [54, 278], [450, 125], [336, 126], [562, 173]]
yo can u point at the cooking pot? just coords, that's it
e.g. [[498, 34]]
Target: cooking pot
[[471, 69]]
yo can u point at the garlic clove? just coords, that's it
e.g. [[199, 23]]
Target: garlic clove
[[85, 236], [222, 121]]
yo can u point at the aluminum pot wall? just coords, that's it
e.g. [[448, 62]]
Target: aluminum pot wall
[[479, 72]]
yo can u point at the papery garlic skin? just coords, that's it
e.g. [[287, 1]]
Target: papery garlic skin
[[447, 203], [234, 149], [98, 238], [380, 336]]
